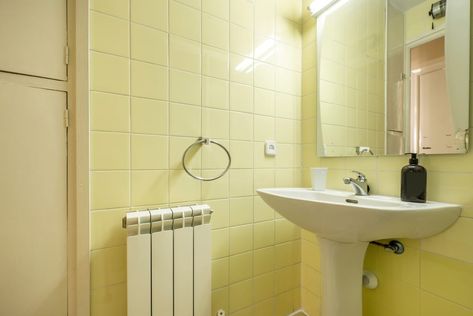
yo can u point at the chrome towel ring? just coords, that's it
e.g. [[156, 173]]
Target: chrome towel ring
[[206, 141]]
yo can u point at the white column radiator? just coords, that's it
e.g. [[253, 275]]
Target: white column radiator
[[168, 261]]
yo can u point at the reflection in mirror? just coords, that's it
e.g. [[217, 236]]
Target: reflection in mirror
[[393, 77], [351, 49]]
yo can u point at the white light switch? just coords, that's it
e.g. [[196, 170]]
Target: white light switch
[[270, 148]]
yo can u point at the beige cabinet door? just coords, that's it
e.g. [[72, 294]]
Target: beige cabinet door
[[33, 37], [33, 195]]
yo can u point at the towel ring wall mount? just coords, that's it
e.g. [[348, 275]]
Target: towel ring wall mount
[[205, 141]]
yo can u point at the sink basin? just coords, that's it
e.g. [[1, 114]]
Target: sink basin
[[345, 224], [342, 216]]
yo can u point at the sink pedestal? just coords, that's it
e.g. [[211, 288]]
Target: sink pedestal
[[342, 271]]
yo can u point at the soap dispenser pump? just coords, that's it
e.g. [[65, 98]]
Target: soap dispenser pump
[[413, 181]]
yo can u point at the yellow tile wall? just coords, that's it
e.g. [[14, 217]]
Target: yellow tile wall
[[434, 276], [164, 72], [351, 78]]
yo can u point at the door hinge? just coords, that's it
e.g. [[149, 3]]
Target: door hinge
[[66, 55], [66, 118]]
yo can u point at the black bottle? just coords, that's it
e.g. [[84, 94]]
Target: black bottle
[[413, 181]]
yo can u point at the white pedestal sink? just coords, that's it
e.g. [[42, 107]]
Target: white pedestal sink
[[345, 224]]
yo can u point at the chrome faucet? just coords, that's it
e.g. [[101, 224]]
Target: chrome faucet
[[359, 185]]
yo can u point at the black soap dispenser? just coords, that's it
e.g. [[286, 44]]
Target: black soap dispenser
[[413, 181]]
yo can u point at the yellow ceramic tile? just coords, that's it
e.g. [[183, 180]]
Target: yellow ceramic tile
[[311, 303], [219, 8], [217, 189], [406, 267], [149, 187], [264, 102], [241, 13], [220, 243], [153, 13], [288, 31], [109, 151], [244, 312], [261, 160], [265, 308], [264, 75], [215, 93], [432, 305], [183, 188], [241, 211], [148, 44], [241, 295], [242, 154], [289, 81], [288, 106], [177, 146], [118, 8], [265, 18], [241, 239], [264, 128], [288, 254], [262, 212], [149, 81], [185, 21], [448, 278], [192, 3], [263, 261], [109, 300], [101, 26], [185, 120], [149, 116], [285, 157], [263, 287], [241, 69], [109, 189], [149, 152], [241, 97], [241, 126], [284, 304], [285, 231], [263, 234], [185, 54], [107, 266], [289, 9], [219, 300], [220, 273], [311, 279], [109, 73], [285, 178], [241, 267], [286, 279], [215, 32], [213, 157], [289, 57], [241, 182], [220, 215], [241, 40], [215, 62], [263, 178], [215, 123], [185, 87], [104, 229], [102, 104]]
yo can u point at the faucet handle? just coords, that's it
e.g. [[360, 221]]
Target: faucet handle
[[361, 176]]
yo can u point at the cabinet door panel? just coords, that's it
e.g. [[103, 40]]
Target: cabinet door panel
[[34, 36]]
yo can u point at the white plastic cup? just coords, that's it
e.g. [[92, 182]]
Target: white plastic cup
[[318, 177]]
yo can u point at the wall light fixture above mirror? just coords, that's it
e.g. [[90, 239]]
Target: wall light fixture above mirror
[[393, 76]]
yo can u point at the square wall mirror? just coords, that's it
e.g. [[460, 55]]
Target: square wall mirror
[[393, 77]]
